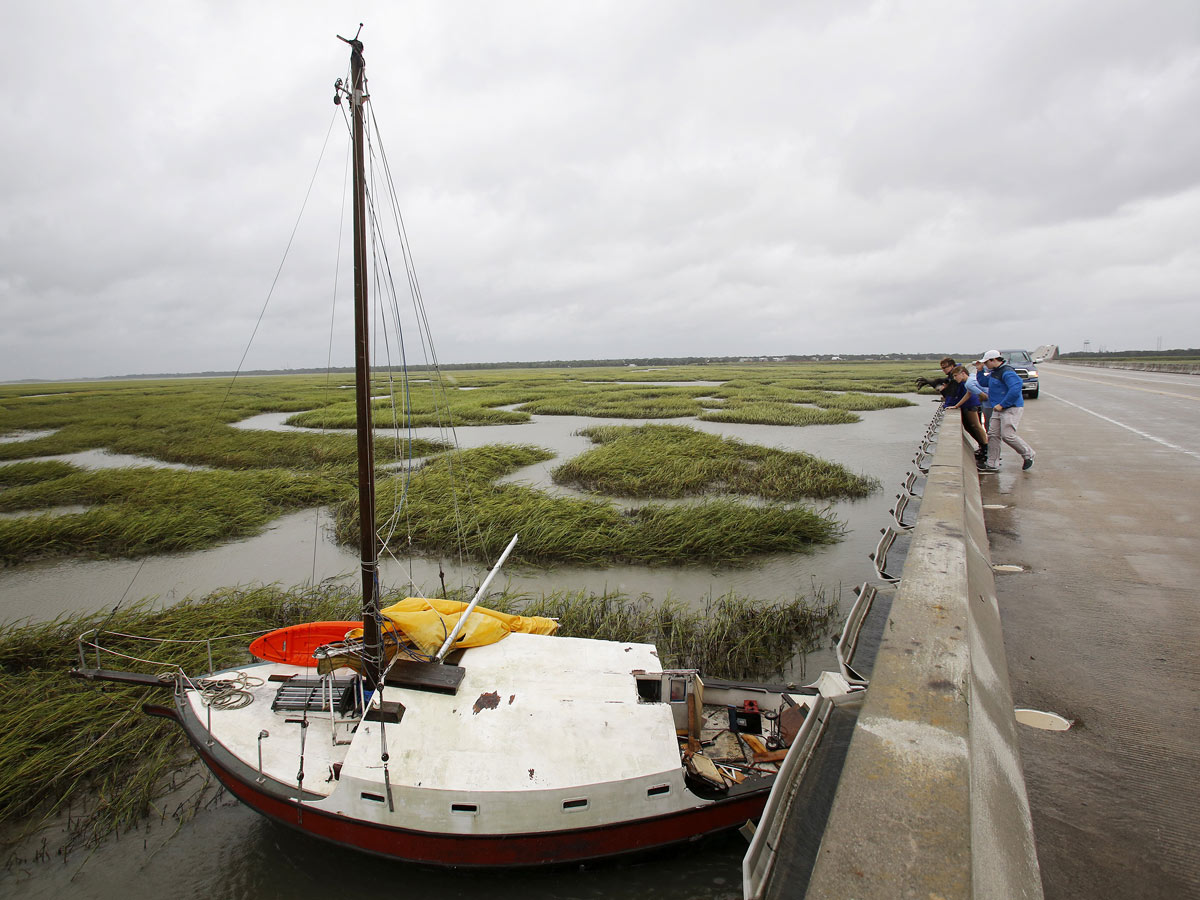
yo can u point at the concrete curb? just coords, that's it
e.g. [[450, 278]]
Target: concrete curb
[[1176, 368], [931, 802]]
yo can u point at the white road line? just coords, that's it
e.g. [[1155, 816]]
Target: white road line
[[1151, 437], [1097, 370], [1130, 387]]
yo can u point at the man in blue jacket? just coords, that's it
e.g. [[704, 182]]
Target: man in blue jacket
[[1003, 387]]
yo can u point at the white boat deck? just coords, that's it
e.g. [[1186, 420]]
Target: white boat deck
[[532, 712]]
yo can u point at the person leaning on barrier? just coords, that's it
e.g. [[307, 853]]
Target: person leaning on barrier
[[985, 406], [1003, 386], [967, 404], [972, 385], [981, 380], [939, 384], [947, 365]]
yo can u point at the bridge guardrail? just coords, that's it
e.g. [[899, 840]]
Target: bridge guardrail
[[931, 799]]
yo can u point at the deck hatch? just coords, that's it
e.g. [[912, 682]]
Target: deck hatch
[[309, 694], [424, 676]]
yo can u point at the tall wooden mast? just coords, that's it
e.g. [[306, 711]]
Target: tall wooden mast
[[369, 553]]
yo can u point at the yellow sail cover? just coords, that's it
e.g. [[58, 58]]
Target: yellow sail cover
[[427, 623]]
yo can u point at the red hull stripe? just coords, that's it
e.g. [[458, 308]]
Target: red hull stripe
[[543, 848]]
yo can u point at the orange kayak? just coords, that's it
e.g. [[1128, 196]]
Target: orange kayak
[[295, 644]]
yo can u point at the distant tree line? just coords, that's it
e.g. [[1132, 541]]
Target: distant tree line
[[1130, 354], [564, 364]]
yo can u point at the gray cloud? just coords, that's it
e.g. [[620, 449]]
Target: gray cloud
[[603, 179]]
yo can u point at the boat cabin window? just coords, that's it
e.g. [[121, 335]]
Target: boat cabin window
[[678, 690], [650, 689]]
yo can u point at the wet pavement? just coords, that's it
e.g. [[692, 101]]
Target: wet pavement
[[1102, 626]]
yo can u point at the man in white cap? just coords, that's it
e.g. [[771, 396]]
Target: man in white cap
[[1003, 387]]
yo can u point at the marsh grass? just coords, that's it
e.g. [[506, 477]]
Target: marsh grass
[[189, 421], [182, 421], [453, 506], [753, 412], [474, 397], [135, 511], [731, 636], [62, 740], [860, 402], [669, 461], [87, 747], [252, 476], [18, 474], [620, 401], [427, 407]]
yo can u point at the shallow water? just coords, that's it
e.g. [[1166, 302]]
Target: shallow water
[[45, 511], [297, 548], [16, 436], [102, 459], [230, 852]]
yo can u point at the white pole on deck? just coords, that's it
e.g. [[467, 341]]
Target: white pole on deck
[[462, 619]]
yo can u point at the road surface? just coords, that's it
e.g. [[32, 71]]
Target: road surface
[[1103, 627]]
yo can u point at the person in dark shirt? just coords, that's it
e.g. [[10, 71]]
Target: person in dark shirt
[[967, 404], [939, 384]]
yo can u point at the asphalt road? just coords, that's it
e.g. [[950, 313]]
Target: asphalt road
[[1103, 627]]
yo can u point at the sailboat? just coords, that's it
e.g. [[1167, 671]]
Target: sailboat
[[503, 744]]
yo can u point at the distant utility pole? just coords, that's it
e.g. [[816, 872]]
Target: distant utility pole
[[1158, 349], [1086, 346]]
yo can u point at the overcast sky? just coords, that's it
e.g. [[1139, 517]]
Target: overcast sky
[[603, 179]]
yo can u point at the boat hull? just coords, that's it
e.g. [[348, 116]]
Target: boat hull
[[277, 802]]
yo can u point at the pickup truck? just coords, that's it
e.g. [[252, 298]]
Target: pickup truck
[[1024, 366]]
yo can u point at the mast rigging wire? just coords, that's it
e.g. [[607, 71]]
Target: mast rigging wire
[[437, 381], [261, 314]]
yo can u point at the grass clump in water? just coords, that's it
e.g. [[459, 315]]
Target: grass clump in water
[[855, 400], [455, 498], [620, 402], [767, 413], [184, 421], [676, 461], [19, 474], [427, 408], [136, 511]]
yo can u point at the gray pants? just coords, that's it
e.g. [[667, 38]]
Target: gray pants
[[1003, 427]]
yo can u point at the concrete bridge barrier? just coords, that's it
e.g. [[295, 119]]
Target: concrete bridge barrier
[[1180, 368], [931, 801]]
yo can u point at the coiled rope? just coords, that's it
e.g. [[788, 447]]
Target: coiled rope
[[228, 693]]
